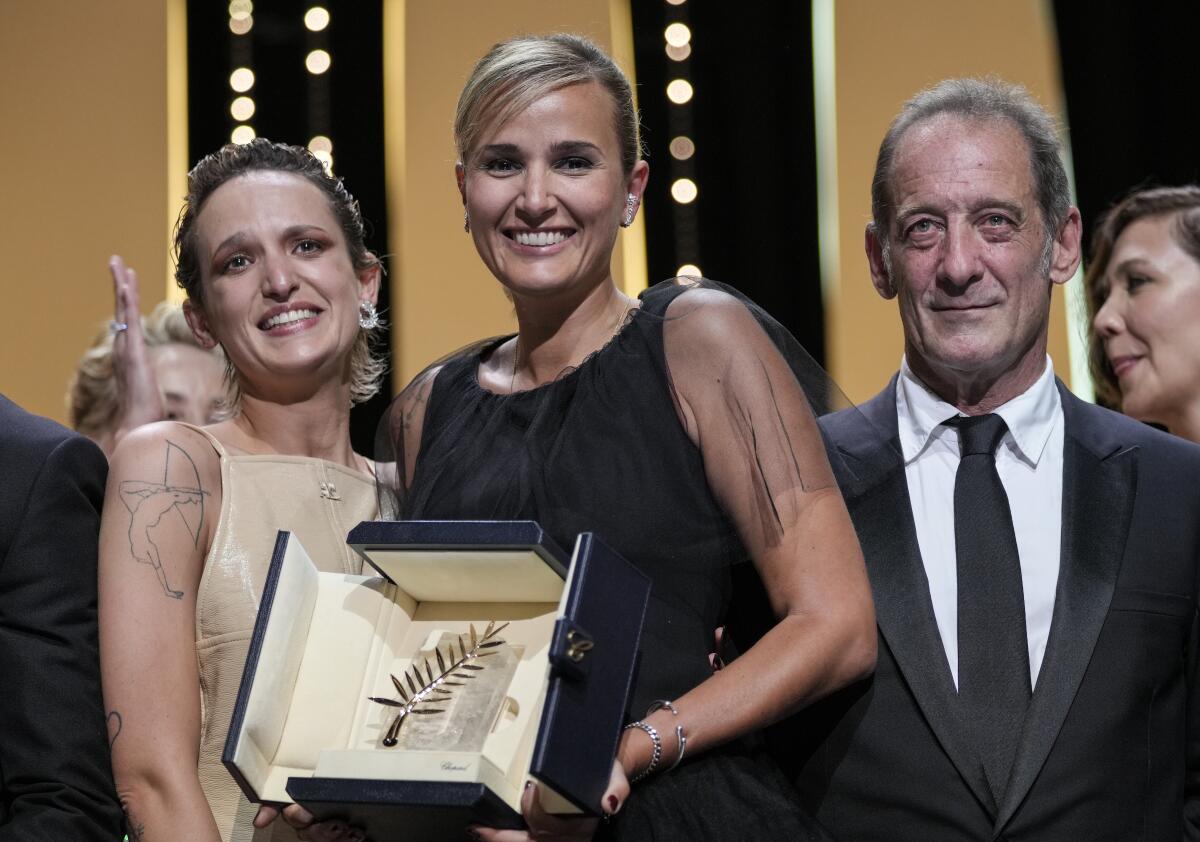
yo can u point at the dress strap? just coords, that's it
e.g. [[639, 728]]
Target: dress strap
[[216, 445]]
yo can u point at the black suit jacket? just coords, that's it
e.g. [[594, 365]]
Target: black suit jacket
[[1110, 749], [55, 779]]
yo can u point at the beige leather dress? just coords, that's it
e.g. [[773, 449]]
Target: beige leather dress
[[318, 501]]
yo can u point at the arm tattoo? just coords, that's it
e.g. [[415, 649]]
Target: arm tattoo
[[150, 502], [114, 723]]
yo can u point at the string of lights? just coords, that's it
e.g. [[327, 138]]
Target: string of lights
[[317, 62], [241, 75], [684, 189]]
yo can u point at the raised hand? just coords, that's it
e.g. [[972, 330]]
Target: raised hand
[[138, 398]]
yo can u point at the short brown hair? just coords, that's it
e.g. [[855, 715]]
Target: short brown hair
[[259, 155]]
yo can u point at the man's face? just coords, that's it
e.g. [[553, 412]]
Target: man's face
[[967, 251]]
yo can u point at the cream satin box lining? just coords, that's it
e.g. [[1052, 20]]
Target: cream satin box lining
[[333, 639]]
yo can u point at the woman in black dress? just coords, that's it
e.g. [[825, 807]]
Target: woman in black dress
[[670, 425]]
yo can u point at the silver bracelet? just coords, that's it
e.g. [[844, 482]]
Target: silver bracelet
[[655, 757], [661, 704]]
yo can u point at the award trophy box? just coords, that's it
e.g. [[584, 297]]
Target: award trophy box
[[473, 657]]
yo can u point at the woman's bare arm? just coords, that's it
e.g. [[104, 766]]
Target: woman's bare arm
[[767, 466], [161, 505]]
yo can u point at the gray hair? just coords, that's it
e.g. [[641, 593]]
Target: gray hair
[[516, 73], [981, 100]]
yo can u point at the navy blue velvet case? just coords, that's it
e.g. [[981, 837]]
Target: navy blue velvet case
[[592, 658]]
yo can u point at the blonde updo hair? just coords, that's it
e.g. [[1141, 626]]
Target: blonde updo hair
[[92, 400], [516, 73]]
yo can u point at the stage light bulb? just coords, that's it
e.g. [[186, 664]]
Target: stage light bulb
[[240, 26], [242, 134], [679, 91], [325, 158], [678, 53], [316, 18], [690, 270], [676, 2], [682, 148], [240, 9], [677, 34], [242, 79], [242, 108], [684, 191], [318, 62], [320, 143]]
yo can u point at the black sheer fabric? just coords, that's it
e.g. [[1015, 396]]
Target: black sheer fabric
[[686, 443]]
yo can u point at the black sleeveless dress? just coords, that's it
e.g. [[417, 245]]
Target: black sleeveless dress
[[649, 443]]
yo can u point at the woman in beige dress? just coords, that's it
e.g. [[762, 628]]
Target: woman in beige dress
[[271, 256]]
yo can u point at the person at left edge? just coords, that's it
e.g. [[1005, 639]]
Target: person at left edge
[[55, 781]]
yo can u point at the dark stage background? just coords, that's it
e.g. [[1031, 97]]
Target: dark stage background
[[755, 220], [1132, 80]]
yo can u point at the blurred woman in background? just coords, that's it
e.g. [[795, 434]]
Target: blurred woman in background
[[1143, 288], [142, 369]]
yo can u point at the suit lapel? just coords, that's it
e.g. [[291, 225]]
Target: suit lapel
[[878, 501], [1099, 485]]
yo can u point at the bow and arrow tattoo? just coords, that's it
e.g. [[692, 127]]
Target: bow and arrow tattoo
[[150, 502]]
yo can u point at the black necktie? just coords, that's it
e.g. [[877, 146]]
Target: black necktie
[[993, 653]]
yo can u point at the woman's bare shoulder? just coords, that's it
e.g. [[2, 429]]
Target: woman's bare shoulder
[[167, 452]]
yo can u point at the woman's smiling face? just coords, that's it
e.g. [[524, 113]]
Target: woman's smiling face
[[280, 292], [545, 193], [1148, 322]]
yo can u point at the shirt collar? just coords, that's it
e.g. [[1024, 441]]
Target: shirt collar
[[1030, 416]]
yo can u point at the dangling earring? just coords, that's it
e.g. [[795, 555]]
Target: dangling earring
[[368, 316], [466, 222], [630, 210]]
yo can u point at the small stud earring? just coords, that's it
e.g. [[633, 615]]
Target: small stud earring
[[630, 210], [368, 316]]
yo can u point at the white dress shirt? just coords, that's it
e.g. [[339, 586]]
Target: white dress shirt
[[1029, 461]]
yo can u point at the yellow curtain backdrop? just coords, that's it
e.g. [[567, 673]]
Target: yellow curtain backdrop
[[90, 140]]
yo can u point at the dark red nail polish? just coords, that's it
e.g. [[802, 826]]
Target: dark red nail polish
[[613, 805]]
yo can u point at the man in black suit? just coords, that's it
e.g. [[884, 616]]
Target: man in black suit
[[55, 780], [1033, 558]]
